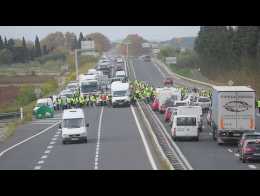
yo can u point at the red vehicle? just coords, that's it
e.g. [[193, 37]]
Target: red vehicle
[[168, 114], [167, 103], [168, 81], [155, 104]]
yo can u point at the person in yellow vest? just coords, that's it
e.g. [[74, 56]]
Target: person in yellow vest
[[258, 105]]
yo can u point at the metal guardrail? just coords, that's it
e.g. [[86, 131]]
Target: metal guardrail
[[9, 115]]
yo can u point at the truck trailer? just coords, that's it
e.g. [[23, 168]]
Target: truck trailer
[[233, 112]]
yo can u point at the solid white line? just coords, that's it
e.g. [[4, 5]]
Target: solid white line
[[37, 167], [229, 150], [133, 69], [98, 141], [252, 166], [148, 152], [43, 131], [159, 69]]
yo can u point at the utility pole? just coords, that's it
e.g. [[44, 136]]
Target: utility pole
[[76, 64]]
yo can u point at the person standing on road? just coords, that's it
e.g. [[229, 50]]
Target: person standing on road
[[258, 105]]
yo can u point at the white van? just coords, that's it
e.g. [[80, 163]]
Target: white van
[[73, 126], [120, 93], [185, 126], [191, 110]]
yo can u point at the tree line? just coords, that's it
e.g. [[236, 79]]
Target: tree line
[[224, 49], [10, 52]]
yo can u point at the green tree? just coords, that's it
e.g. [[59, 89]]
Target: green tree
[[6, 56], [1, 43], [25, 50], [37, 45], [81, 38]]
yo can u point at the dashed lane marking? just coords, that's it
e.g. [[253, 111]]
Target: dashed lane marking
[[37, 167], [252, 166], [44, 157], [98, 141], [23, 141], [51, 143], [229, 150], [40, 162], [236, 154], [47, 151], [50, 147]]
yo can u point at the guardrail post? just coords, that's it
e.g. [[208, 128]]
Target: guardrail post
[[21, 112]]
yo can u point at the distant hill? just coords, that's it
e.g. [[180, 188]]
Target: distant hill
[[183, 42]]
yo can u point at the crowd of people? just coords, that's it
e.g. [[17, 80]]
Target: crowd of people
[[77, 101], [139, 91]]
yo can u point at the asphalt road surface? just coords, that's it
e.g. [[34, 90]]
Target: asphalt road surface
[[205, 154], [114, 143]]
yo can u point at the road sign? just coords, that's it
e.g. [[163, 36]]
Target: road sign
[[170, 60], [88, 45]]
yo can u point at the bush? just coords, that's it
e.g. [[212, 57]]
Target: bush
[[52, 57], [49, 86], [26, 95]]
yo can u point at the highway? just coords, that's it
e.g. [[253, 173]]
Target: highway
[[114, 143], [117, 140], [202, 155]]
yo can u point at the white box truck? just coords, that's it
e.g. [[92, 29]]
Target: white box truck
[[233, 112]]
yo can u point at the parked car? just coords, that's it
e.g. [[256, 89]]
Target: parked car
[[204, 102], [246, 136], [250, 150]]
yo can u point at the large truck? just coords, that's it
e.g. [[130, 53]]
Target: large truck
[[233, 112]]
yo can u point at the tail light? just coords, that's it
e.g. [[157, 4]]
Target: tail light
[[249, 149], [174, 131]]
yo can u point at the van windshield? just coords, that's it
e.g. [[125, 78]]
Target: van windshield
[[204, 99], [73, 123], [186, 121], [119, 93]]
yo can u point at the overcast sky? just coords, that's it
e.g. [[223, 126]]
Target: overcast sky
[[151, 33]]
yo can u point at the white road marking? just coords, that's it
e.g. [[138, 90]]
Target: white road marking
[[210, 133], [51, 143], [54, 138], [47, 151], [236, 154], [37, 167], [40, 162], [98, 141], [159, 69], [252, 166], [44, 157], [23, 141], [50, 147], [229, 150], [148, 152]]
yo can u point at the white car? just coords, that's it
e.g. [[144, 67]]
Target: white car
[[203, 102], [73, 127], [185, 126]]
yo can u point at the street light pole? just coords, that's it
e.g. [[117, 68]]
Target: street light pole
[[76, 64]]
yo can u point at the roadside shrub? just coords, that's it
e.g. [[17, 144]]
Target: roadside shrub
[[26, 95], [49, 86]]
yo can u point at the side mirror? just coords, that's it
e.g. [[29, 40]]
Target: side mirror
[[87, 125]]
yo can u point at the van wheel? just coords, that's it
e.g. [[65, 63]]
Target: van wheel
[[197, 138], [86, 140]]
